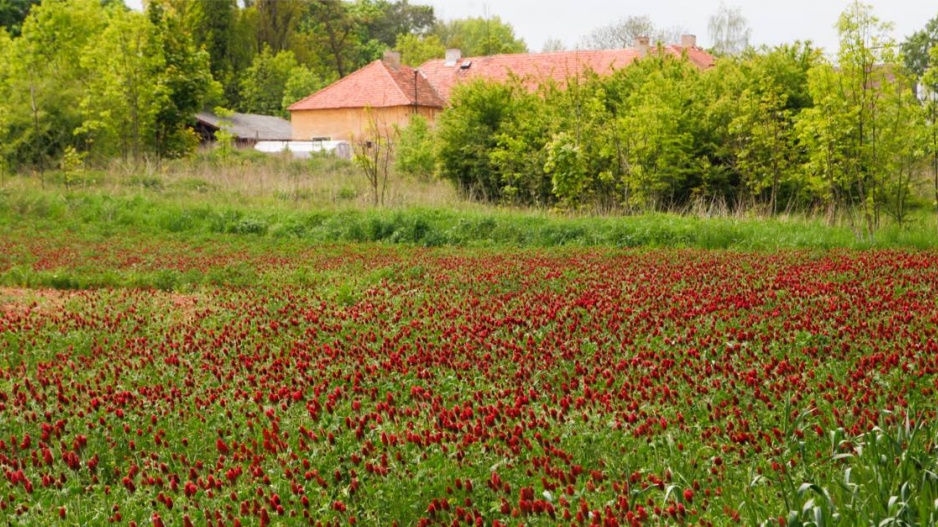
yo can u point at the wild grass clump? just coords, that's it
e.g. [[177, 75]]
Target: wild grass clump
[[324, 200]]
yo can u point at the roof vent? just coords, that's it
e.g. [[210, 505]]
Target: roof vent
[[465, 65]]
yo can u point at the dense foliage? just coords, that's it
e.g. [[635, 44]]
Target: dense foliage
[[94, 81], [777, 129]]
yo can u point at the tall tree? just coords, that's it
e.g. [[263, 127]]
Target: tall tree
[[468, 132], [264, 83], [772, 91], [225, 32], [186, 80], [657, 144], [121, 94], [45, 83], [904, 146], [335, 31], [276, 22], [868, 67], [400, 18], [729, 31], [302, 82], [480, 36], [13, 13], [850, 128], [624, 32], [930, 79], [825, 132], [417, 49], [7, 70], [917, 46]]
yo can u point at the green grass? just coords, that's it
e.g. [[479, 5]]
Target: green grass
[[325, 200]]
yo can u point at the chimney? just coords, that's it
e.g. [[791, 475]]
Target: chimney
[[452, 57], [392, 59], [642, 45], [688, 41]]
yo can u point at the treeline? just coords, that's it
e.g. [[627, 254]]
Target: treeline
[[87, 81], [777, 130]]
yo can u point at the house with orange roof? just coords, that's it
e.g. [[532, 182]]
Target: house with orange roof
[[389, 93], [385, 92], [535, 68]]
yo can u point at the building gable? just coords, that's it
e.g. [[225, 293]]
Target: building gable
[[380, 84]]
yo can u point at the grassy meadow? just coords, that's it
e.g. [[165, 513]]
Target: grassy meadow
[[327, 200]]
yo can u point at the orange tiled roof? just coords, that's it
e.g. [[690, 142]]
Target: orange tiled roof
[[377, 85], [537, 67]]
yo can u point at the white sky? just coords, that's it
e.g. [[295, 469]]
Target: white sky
[[772, 21]]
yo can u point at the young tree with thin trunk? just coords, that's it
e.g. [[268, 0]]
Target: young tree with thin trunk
[[930, 82], [374, 153]]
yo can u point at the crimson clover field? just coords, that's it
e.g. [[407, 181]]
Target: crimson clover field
[[172, 383]]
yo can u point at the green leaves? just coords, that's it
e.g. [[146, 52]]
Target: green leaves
[[480, 36], [917, 47], [263, 85], [415, 151]]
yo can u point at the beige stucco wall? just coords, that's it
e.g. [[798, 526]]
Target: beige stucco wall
[[349, 123]]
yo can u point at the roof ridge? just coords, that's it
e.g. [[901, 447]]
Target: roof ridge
[[334, 86], [396, 81]]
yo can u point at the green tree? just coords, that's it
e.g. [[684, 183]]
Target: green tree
[[13, 13], [6, 77], [770, 91], [277, 21], [480, 36], [766, 152], [917, 46], [416, 154], [227, 34], [930, 79], [565, 164], [399, 18], [301, 83], [121, 95], [468, 132], [186, 82], [905, 143], [263, 85], [334, 29], [417, 49], [826, 131], [713, 109], [657, 144], [44, 83], [868, 69], [586, 110], [847, 133], [519, 154]]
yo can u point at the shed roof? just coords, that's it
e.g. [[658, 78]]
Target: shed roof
[[377, 85], [249, 125]]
